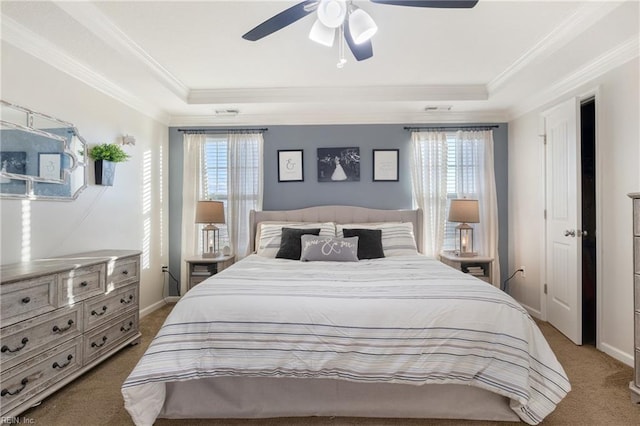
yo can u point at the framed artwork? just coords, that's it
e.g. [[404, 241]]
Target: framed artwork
[[50, 165], [385, 165], [14, 162], [339, 164], [290, 165]]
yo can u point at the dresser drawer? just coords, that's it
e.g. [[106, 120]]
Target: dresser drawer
[[80, 284], [636, 255], [101, 309], [636, 376], [23, 340], [636, 217], [122, 272], [20, 300], [102, 339], [26, 380], [636, 293]]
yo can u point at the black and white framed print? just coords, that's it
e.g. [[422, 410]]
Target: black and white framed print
[[50, 165], [339, 164], [290, 165], [385, 165]]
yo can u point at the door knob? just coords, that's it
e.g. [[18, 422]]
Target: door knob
[[571, 233], [582, 233]]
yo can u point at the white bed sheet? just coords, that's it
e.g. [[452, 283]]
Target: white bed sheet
[[406, 319]]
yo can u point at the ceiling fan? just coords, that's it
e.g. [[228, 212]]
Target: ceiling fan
[[352, 24]]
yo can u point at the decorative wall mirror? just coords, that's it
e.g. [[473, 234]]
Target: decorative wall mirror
[[41, 157]]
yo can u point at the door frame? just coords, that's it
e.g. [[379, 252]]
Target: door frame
[[593, 93]]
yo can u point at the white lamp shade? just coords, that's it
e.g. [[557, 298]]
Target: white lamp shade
[[332, 12], [322, 34], [362, 26], [464, 211], [210, 212]]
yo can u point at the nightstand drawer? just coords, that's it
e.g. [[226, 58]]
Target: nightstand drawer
[[23, 340], [80, 284], [20, 300]]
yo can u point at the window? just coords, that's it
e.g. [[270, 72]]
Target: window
[[215, 177], [463, 171]]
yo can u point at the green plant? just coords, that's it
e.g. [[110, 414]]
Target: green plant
[[109, 152]]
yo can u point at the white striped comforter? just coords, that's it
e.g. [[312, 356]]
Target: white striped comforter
[[405, 319]]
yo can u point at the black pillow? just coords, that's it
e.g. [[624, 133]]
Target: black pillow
[[369, 242], [290, 244]]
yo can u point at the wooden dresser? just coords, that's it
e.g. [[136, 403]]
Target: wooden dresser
[[60, 317], [635, 384]]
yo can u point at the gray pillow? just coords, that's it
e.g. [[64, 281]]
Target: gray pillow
[[329, 248]]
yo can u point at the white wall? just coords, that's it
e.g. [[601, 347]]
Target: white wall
[[618, 142], [128, 215]]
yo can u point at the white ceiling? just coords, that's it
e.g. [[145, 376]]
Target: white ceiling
[[180, 61]]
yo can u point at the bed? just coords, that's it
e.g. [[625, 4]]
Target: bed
[[399, 336]]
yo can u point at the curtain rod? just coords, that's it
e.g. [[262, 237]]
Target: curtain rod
[[218, 131], [489, 127]]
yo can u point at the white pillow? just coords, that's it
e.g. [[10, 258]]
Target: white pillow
[[269, 234], [397, 237]]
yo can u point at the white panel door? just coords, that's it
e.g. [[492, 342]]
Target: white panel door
[[564, 248]]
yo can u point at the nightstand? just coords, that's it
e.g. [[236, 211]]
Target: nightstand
[[200, 268], [478, 266]]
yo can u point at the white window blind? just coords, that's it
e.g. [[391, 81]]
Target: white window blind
[[215, 176], [463, 163]]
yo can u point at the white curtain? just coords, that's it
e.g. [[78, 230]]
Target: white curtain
[[473, 177], [191, 173], [245, 158], [477, 147], [429, 179]]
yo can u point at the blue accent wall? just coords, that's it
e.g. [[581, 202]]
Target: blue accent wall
[[310, 192]]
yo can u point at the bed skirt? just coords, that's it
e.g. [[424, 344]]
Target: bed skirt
[[236, 397]]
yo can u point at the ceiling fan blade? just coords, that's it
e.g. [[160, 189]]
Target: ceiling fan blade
[[361, 51], [444, 4], [281, 20]]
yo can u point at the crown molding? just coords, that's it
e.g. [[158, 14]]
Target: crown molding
[[426, 93], [89, 16], [567, 30], [623, 53], [336, 118], [29, 42]]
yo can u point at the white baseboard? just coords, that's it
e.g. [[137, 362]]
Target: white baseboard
[[159, 304], [533, 312], [617, 354]]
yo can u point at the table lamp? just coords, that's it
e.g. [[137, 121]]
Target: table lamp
[[209, 213], [464, 211]]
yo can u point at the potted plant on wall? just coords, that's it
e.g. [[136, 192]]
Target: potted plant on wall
[[106, 156]]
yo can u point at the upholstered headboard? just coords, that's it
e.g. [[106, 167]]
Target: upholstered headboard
[[338, 214]]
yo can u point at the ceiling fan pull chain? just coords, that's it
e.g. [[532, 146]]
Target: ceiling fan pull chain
[[341, 58]]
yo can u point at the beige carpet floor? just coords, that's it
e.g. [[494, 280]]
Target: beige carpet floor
[[600, 394]]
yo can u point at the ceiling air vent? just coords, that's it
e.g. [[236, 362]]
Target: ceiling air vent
[[226, 112], [439, 108]]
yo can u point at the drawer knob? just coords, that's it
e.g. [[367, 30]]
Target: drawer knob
[[124, 330], [99, 345], [6, 348], [57, 329], [125, 272], [127, 300], [26, 300], [5, 391], [98, 314], [84, 284], [61, 366]]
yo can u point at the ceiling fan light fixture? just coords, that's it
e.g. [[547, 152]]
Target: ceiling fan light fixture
[[362, 26], [332, 12], [322, 34]]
